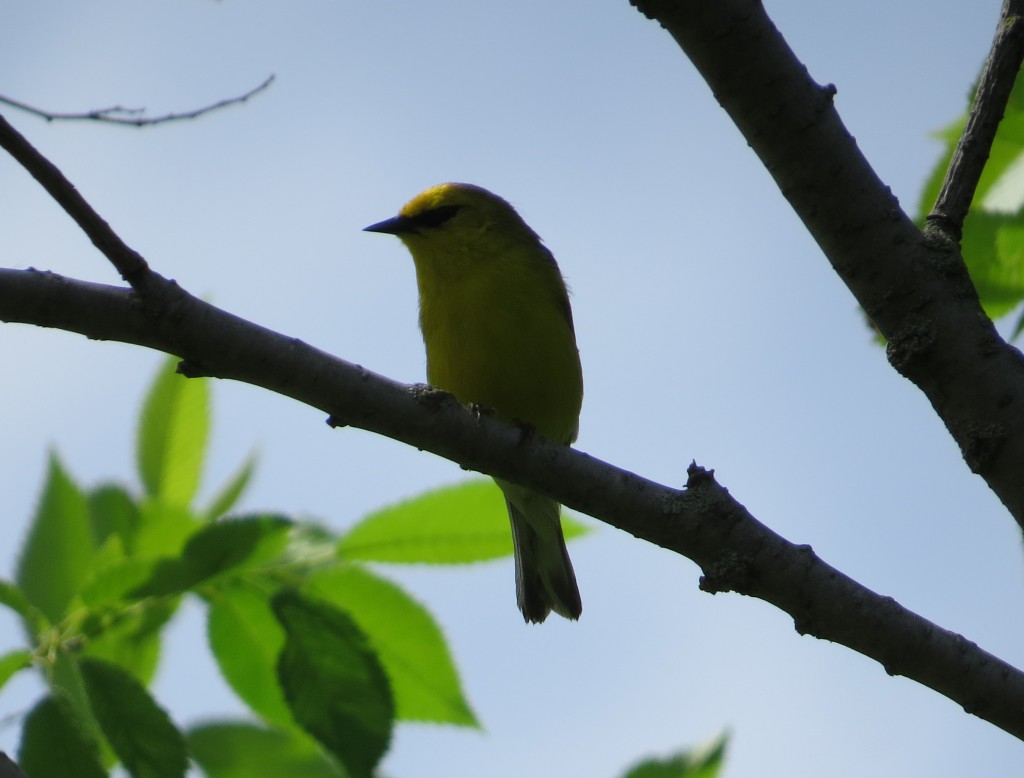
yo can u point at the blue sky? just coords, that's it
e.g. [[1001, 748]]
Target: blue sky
[[709, 323]]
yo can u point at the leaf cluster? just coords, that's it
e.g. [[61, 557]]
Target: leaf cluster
[[326, 652]]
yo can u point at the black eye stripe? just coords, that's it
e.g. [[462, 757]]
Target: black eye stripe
[[435, 217]]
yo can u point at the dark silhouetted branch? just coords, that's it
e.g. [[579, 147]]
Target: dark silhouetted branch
[[128, 262], [702, 522], [989, 104], [915, 287]]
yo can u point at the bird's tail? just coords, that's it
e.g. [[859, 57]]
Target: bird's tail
[[545, 580]]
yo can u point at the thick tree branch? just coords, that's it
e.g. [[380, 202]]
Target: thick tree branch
[[118, 114], [975, 144], [914, 286], [703, 522]]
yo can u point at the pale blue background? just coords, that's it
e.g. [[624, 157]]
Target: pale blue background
[[710, 326]]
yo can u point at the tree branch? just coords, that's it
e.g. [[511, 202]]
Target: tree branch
[[703, 522], [118, 114], [975, 144], [914, 287], [128, 262], [916, 291], [8, 769]]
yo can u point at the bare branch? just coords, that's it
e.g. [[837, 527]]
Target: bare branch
[[972, 150], [129, 263], [133, 117], [914, 287], [703, 522]]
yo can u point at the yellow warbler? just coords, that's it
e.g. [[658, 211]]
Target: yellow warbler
[[498, 330]]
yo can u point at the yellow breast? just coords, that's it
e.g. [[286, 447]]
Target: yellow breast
[[501, 336]]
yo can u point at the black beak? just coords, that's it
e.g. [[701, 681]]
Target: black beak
[[396, 225]]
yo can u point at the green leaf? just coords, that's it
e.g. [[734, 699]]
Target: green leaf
[[12, 662], [14, 598], [333, 682], [410, 644], [59, 548], [172, 436], [246, 640], [109, 554], [117, 628], [703, 762], [466, 522], [217, 548], [993, 247], [140, 732], [66, 679], [113, 583], [163, 529], [230, 750], [112, 511], [456, 524], [310, 546], [229, 494], [54, 744], [131, 637]]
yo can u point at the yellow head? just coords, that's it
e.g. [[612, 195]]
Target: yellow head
[[462, 225]]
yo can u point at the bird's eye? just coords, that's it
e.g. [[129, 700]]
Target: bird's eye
[[435, 217]]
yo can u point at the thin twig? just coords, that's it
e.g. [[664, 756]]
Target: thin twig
[[129, 263], [975, 144], [133, 117]]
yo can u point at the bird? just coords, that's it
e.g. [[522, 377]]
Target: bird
[[498, 330]]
